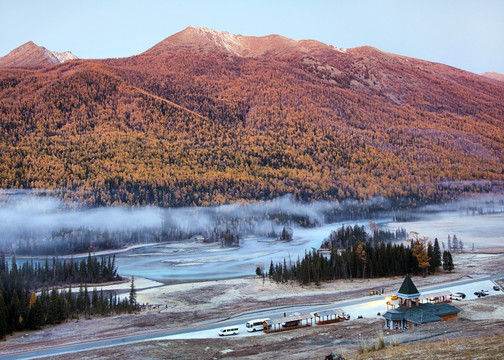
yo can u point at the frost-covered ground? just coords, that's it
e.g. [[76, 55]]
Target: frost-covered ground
[[190, 304]]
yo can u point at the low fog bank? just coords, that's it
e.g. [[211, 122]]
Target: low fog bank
[[34, 223]]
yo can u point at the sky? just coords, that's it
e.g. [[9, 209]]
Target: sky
[[466, 34]]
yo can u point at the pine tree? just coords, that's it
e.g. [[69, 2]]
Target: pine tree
[[3, 264], [87, 301], [81, 303], [436, 256], [259, 271], [53, 308], [132, 294], [455, 244], [3, 318], [14, 311], [447, 261], [94, 301], [430, 254], [35, 319], [70, 301]]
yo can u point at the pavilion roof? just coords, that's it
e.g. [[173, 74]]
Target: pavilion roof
[[287, 319], [329, 312], [408, 290], [424, 313]]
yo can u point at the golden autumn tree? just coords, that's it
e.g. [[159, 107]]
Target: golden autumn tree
[[419, 247], [361, 256]]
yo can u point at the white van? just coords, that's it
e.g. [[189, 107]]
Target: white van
[[229, 330], [255, 325]]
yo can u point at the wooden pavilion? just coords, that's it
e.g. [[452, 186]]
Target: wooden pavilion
[[329, 316], [287, 323]]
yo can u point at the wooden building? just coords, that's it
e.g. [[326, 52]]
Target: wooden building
[[287, 323], [411, 311], [329, 316]]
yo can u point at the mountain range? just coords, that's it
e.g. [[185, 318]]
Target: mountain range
[[207, 117]]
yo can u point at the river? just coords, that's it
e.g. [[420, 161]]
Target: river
[[191, 260], [477, 222]]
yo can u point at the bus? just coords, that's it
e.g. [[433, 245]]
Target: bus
[[255, 325], [229, 330]]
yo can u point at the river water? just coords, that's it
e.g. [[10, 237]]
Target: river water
[[192, 261], [478, 222]]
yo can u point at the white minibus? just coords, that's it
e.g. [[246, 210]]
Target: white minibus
[[229, 330]]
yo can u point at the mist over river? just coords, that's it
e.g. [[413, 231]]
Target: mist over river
[[191, 260], [28, 222]]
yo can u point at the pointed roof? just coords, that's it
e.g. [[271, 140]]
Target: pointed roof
[[408, 290]]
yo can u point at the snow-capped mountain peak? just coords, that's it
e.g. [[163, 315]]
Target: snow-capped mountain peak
[[30, 55]]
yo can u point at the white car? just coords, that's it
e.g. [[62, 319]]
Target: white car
[[458, 296]]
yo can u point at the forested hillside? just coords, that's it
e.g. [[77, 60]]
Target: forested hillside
[[190, 122]]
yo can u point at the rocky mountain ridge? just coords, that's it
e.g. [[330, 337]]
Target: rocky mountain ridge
[[208, 40], [30, 55], [494, 75]]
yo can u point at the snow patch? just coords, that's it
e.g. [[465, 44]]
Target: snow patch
[[58, 57], [64, 56], [223, 39]]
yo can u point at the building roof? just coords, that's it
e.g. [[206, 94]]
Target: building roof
[[394, 314], [434, 295], [443, 309], [287, 319], [422, 314], [329, 312], [408, 290]]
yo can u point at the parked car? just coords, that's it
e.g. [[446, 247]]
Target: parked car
[[480, 293], [458, 296], [496, 288]]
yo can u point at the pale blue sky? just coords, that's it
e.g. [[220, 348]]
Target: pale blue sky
[[468, 34]]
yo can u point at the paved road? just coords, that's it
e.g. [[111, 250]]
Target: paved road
[[30, 353]]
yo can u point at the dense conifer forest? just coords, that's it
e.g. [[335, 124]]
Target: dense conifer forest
[[34, 294], [354, 254]]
